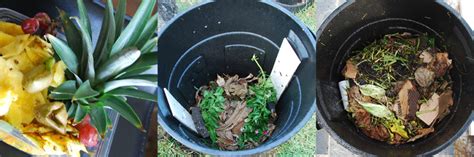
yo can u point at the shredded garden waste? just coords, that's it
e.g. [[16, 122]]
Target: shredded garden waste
[[400, 87], [236, 112]]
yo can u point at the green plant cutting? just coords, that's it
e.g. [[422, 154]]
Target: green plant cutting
[[238, 113]]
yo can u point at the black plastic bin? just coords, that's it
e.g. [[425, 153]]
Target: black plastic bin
[[220, 37], [357, 23]]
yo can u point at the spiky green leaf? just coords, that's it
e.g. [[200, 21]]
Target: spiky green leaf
[[106, 36], [148, 77], [99, 118], [124, 109], [71, 111], [81, 112], [120, 17], [65, 91], [65, 53], [149, 31], [130, 73], [145, 61], [127, 83], [149, 45], [117, 63], [134, 93], [132, 32], [87, 51], [85, 91], [72, 33], [84, 17]]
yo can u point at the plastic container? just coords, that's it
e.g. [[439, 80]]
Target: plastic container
[[10, 135], [220, 37], [357, 23], [294, 5]]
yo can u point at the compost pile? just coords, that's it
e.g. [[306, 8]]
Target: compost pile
[[237, 113], [399, 87]]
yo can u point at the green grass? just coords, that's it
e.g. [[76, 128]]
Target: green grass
[[302, 144]]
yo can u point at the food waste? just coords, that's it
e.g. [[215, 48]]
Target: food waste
[[236, 112], [399, 87], [27, 70]]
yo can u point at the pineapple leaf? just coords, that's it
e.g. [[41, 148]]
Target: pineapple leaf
[[64, 52], [124, 109], [130, 73], [149, 45], [85, 91], [127, 83], [132, 32], [65, 91], [71, 111], [99, 118], [81, 112], [117, 63], [148, 77], [108, 122], [106, 36], [134, 93], [148, 32], [85, 22], [120, 17], [146, 61], [87, 51], [72, 33]]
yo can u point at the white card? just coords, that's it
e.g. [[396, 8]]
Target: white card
[[343, 86], [179, 112], [285, 66]]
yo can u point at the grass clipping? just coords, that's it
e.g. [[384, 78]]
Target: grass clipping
[[400, 87], [237, 113]]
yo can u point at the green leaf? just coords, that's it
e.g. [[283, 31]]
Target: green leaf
[[108, 121], [85, 91], [84, 17], [148, 77], [72, 33], [71, 111], [87, 52], [132, 32], [150, 29], [145, 61], [377, 110], [134, 93], [99, 118], [81, 112], [149, 45], [117, 63], [124, 109], [127, 83], [65, 91], [131, 73], [120, 17], [64, 52], [372, 91], [106, 36]]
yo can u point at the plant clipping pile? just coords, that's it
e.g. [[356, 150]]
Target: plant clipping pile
[[237, 113], [400, 87]]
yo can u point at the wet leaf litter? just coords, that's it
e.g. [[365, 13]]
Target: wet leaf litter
[[399, 87], [236, 112]]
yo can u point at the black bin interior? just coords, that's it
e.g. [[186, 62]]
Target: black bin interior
[[356, 24], [220, 38]]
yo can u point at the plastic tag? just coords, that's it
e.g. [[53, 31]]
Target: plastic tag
[[343, 86], [179, 112], [285, 66]]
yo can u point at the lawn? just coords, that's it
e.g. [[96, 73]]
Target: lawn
[[303, 143]]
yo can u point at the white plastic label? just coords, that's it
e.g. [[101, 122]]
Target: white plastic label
[[285, 66], [343, 86], [179, 112]]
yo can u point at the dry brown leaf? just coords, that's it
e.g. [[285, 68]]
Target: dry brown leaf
[[421, 133], [350, 70], [408, 98], [445, 101], [426, 57], [441, 64], [429, 110], [424, 76]]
